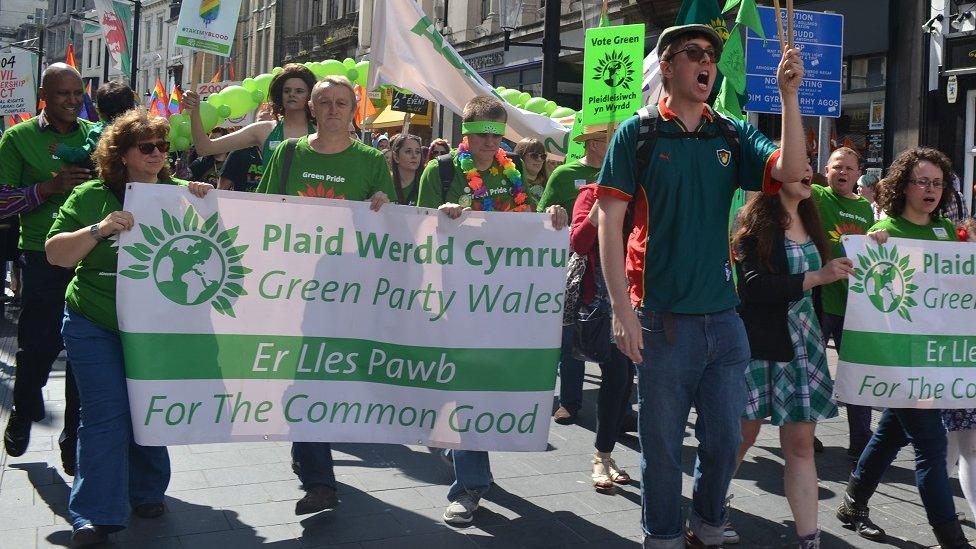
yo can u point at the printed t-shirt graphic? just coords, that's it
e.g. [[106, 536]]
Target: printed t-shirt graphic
[[840, 216]]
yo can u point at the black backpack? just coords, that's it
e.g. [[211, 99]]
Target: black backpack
[[445, 167], [648, 135]]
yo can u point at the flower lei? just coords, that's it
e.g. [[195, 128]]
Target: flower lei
[[477, 184], [963, 234]]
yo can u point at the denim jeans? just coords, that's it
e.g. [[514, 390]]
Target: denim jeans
[[702, 362], [613, 400], [114, 473], [39, 342], [858, 417], [570, 373], [472, 473], [312, 462], [922, 429]]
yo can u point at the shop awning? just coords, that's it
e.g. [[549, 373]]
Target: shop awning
[[388, 118]]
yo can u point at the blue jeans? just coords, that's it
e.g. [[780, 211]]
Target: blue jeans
[[922, 429], [701, 361], [114, 473], [312, 462], [570, 373], [472, 473]]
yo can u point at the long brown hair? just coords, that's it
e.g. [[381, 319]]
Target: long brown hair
[[764, 216], [891, 189], [532, 145], [124, 133]]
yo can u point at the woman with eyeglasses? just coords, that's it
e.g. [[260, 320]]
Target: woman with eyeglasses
[[438, 147], [912, 195], [115, 475], [533, 155], [405, 165]]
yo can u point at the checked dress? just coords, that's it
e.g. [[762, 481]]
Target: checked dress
[[799, 390]]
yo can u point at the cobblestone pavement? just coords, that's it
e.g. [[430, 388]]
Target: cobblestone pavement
[[242, 495]]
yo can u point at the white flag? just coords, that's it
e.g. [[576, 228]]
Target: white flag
[[653, 82], [408, 52]]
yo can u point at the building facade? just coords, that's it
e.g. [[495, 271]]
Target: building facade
[[20, 19]]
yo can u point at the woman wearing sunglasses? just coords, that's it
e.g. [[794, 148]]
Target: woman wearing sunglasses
[[115, 475], [533, 155], [438, 147]]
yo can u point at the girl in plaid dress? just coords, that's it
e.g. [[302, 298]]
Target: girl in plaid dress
[[778, 249]]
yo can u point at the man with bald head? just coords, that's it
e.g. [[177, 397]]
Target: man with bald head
[[39, 183]]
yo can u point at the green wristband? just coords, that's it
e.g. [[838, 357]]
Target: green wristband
[[483, 126]]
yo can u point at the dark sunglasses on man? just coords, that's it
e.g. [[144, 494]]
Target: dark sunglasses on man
[[696, 52], [147, 148]]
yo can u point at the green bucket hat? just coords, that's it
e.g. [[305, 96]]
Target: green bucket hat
[[671, 34]]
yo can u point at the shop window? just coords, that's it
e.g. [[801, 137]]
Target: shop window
[[867, 72]]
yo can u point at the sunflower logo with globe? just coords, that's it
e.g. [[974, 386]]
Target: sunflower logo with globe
[[886, 279], [192, 261], [615, 69]]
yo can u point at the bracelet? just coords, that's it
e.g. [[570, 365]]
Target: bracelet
[[93, 231]]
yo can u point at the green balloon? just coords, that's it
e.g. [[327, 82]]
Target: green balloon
[[536, 105], [512, 96], [349, 62], [363, 69], [223, 111], [180, 143], [523, 98], [209, 116], [276, 70], [215, 99], [263, 82], [352, 74], [238, 99], [332, 67], [500, 89], [550, 108], [318, 70], [256, 96], [249, 84], [176, 120], [562, 112]]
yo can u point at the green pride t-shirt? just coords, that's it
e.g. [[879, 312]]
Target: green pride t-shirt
[[564, 185], [92, 290], [940, 228], [356, 173], [499, 188], [25, 160], [840, 216]]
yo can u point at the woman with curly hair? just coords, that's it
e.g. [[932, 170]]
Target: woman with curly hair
[[782, 253], [289, 94], [115, 475], [912, 195]]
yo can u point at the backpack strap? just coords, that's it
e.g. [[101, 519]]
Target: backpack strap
[[286, 165], [646, 139], [445, 167]]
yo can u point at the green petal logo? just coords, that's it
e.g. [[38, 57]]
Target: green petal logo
[[615, 69], [887, 281], [190, 261]]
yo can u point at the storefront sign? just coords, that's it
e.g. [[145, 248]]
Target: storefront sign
[[208, 25], [820, 39], [612, 67], [482, 62], [408, 102], [960, 53]]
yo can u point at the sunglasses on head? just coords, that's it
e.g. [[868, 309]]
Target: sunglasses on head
[[147, 148], [696, 52]]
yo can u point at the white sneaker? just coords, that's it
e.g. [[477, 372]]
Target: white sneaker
[[729, 535], [461, 510]]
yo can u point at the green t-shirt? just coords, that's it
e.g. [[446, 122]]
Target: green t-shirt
[[82, 154], [564, 184], [499, 188], [356, 173], [899, 227], [92, 290], [25, 160], [840, 216], [678, 254]]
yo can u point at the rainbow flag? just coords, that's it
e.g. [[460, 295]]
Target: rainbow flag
[[176, 101], [157, 101], [88, 111]]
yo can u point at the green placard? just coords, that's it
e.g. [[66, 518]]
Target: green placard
[[612, 72], [576, 150]]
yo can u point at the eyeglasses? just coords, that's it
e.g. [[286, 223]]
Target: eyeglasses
[[936, 184], [536, 156], [696, 52], [147, 148]]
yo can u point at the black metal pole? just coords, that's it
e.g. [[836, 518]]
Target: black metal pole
[[134, 58], [550, 50], [106, 57]]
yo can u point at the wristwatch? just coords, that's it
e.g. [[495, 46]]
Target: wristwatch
[[93, 231]]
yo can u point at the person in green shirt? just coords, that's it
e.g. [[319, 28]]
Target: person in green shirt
[[26, 163], [913, 194], [565, 182], [115, 475], [406, 153], [112, 99], [533, 155], [326, 164], [843, 212], [484, 179]]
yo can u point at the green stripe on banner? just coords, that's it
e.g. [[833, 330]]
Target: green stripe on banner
[[225, 356], [909, 350]]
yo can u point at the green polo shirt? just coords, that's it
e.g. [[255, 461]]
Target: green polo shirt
[[898, 227], [356, 173], [564, 184], [25, 161], [92, 290], [840, 216], [678, 253], [499, 188]]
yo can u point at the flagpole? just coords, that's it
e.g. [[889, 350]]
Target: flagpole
[[789, 23], [779, 26]]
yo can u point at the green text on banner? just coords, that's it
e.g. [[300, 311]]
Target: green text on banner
[[909, 334], [208, 25], [612, 66], [289, 318]]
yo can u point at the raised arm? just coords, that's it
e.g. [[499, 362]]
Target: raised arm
[[252, 135]]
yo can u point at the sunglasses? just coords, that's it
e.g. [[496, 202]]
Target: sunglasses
[[696, 52], [147, 148], [536, 156]]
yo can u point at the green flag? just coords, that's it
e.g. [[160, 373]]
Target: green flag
[[604, 16], [733, 62], [703, 12], [749, 16], [727, 101]]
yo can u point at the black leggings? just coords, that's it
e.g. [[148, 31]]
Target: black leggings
[[613, 401]]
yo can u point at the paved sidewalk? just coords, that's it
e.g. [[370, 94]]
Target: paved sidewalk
[[236, 496]]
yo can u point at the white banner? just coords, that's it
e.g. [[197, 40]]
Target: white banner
[[909, 332], [208, 25], [257, 317], [407, 50], [17, 90]]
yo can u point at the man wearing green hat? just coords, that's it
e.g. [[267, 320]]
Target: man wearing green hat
[[678, 323]]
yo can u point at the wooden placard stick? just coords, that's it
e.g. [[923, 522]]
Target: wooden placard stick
[[779, 25], [789, 23], [197, 72]]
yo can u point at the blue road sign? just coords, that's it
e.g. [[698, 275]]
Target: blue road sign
[[820, 38]]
